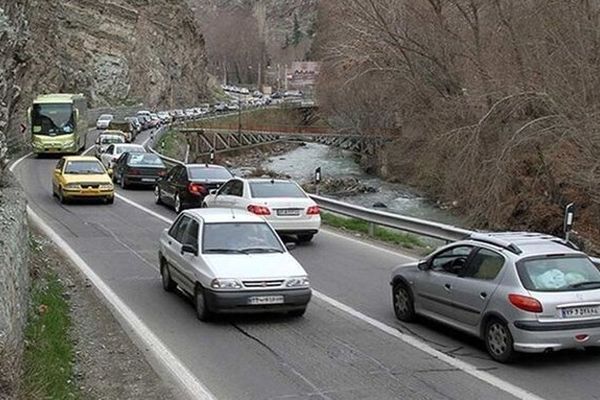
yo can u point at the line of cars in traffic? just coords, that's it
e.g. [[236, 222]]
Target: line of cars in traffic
[[228, 249]]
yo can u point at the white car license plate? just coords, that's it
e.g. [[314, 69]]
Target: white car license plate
[[288, 212], [581, 311], [148, 180], [260, 300]]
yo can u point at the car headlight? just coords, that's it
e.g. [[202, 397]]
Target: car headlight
[[301, 281], [68, 144], [107, 186], [72, 186], [226, 284]]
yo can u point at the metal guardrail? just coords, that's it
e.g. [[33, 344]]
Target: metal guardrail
[[416, 226]]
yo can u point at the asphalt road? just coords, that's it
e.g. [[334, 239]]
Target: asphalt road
[[328, 354]]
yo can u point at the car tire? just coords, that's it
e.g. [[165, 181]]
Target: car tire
[[177, 204], [61, 196], [499, 341], [297, 313], [110, 200], [403, 301], [157, 195], [202, 311], [168, 283], [305, 238]]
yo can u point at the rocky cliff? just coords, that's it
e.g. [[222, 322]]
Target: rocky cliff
[[116, 52]]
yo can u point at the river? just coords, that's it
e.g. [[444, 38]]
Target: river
[[301, 163]]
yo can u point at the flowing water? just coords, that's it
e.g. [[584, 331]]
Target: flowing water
[[301, 163]]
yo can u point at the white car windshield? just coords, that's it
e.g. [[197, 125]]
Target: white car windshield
[[240, 238], [111, 139], [263, 190], [559, 274]]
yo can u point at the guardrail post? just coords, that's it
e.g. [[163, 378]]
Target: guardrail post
[[371, 229]]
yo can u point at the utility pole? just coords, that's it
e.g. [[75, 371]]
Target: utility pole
[[260, 76], [240, 119]]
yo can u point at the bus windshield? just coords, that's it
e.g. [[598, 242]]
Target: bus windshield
[[52, 119]]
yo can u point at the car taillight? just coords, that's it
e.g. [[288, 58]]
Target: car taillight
[[525, 303], [313, 210], [259, 210], [197, 189]]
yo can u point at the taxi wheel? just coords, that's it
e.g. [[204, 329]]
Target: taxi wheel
[[61, 196], [110, 200]]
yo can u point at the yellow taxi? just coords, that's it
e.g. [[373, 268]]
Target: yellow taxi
[[79, 177]]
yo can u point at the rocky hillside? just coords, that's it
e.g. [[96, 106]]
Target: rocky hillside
[[116, 52], [275, 18]]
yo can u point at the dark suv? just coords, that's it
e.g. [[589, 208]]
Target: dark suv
[[185, 186]]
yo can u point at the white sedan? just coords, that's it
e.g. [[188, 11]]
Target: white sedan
[[114, 151], [282, 203], [231, 261], [104, 121]]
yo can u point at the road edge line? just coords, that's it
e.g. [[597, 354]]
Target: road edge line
[[194, 388]]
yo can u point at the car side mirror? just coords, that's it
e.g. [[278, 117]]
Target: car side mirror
[[110, 172], [290, 246], [188, 248], [423, 265], [213, 191]]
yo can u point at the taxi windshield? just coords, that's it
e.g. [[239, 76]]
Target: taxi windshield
[[83, 168]]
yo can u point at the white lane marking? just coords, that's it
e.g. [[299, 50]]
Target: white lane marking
[[470, 369], [178, 371], [366, 244], [420, 345], [194, 388]]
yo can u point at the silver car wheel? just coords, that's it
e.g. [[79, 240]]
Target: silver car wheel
[[498, 338], [401, 300]]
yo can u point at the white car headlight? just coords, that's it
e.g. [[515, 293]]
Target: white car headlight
[[301, 281], [107, 186], [68, 144], [226, 284]]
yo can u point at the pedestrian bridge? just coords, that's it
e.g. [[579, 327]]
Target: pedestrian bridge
[[204, 141]]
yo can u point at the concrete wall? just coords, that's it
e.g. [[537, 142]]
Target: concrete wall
[[14, 281]]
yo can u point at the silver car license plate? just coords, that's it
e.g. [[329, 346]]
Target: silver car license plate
[[288, 212], [148, 180], [581, 311], [260, 300]]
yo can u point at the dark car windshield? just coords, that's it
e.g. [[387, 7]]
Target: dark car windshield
[[209, 173], [251, 237], [264, 190], [145, 159], [83, 167], [559, 274], [52, 119], [111, 139]]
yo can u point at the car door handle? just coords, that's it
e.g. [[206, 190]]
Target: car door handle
[[448, 287], [483, 295]]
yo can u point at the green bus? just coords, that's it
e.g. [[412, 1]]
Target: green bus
[[58, 123]]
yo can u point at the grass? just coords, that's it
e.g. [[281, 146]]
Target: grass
[[402, 239], [172, 144], [49, 354]]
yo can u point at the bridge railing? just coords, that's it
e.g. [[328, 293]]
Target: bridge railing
[[421, 227]]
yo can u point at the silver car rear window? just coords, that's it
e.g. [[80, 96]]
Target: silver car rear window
[[559, 274], [264, 190]]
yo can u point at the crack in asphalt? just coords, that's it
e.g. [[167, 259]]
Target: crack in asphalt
[[283, 362]]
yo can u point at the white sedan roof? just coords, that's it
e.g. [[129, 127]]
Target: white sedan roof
[[216, 215]]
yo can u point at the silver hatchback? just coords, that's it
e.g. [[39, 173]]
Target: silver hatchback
[[519, 292]]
